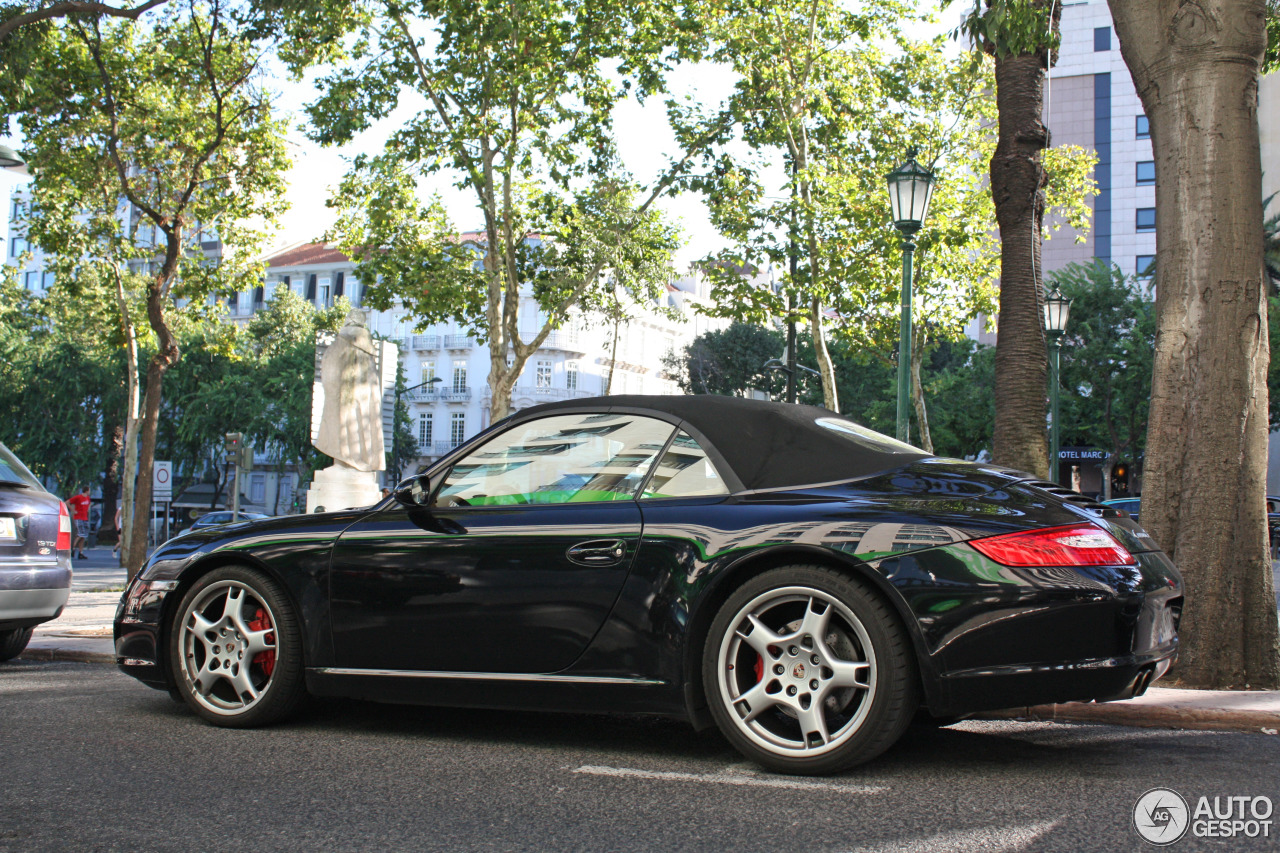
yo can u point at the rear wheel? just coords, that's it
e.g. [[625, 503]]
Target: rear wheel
[[807, 671], [236, 649], [13, 641]]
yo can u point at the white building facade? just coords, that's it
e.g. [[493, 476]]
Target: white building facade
[[447, 369]]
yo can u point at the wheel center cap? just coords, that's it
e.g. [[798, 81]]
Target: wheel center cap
[[797, 671]]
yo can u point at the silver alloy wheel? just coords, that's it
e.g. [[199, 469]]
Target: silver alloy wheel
[[797, 671], [228, 646]]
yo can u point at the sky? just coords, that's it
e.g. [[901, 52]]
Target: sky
[[644, 138]]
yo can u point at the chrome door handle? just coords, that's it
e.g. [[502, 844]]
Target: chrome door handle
[[599, 552]]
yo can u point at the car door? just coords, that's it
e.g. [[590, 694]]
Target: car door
[[514, 562]]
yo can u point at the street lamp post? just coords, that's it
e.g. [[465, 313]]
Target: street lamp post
[[10, 159], [1056, 309], [395, 433], [910, 187]]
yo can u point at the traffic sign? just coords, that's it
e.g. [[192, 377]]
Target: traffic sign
[[162, 481]]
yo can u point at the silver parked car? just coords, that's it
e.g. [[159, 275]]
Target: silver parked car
[[35, 555]]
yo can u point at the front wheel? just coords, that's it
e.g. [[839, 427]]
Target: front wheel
[[809, 672], [236, 649]]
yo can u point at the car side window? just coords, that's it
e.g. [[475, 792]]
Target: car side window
[[685, 472], [560, 459]]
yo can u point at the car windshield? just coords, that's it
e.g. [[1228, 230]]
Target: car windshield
[[13, 472]]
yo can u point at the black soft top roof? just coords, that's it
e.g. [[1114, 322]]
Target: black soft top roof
[[764, 445]]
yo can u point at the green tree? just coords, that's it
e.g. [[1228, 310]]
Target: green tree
[[169, 120], [1106, 362], [254, 379], [1195, 67], [60, 379], [403, 446], [845, 114], [517, 104], [728, 361]]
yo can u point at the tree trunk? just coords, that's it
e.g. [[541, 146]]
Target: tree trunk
[[1196, 66], [130, 474], [917, 392], [1017, 185], [166, 356], [826, 369], [111, 478]]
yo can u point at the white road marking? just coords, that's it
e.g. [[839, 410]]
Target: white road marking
[[987, 840], [741, 779]]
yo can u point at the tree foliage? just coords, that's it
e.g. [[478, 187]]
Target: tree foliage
[[165, 125], [61, 380], [514, 102], [1105, 375]]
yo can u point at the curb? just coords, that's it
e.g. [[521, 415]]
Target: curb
[[1146, 716], [71, 655]]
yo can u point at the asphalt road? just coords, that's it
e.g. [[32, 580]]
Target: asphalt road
[[93, 761]]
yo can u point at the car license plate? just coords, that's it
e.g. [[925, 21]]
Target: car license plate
[[8, 528]]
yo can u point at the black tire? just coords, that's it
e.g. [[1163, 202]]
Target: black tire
[[13, 641], [235, 649], [836, 684]]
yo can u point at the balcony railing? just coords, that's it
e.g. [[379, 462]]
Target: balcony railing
[[543, 393], [455, 395], [425, 342], [566, 340], [423, 395], [459, 342]]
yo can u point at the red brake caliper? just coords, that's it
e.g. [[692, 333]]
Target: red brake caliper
[[262, 622], [759, 669]]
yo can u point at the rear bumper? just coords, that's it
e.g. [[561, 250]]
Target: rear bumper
[[22, 608], [1103, 680], [31, 593]]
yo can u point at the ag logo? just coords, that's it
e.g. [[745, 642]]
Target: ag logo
[[1161, 816]]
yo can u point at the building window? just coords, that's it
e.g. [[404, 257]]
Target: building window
[[1145, 219], [1144, 266], [571, 376], [46, 280], [258, 489], [1142, 128], [542, 378], [424, 431], [31, 280], [1146, 173], [457, 428], [326, 292], [459, 376], [16, 247], [1101, 39], [428, 373]]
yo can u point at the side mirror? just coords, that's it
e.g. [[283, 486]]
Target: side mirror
[[416, 492]]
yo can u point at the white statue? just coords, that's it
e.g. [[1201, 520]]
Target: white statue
[[350, 428]]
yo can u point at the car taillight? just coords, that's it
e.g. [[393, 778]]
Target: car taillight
[[64, 528], [1069, 545]]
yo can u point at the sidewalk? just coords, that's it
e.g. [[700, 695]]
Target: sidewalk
[[83, 633]]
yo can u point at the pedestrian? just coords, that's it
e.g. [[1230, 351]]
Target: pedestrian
[[115, 551], [79, 505]]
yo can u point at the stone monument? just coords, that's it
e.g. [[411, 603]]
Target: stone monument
[[347, 418]]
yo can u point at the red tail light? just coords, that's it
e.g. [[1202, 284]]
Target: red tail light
[[1069, 545], [63, 542]]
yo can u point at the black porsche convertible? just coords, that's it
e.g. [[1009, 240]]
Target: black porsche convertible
[[805, 584]]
